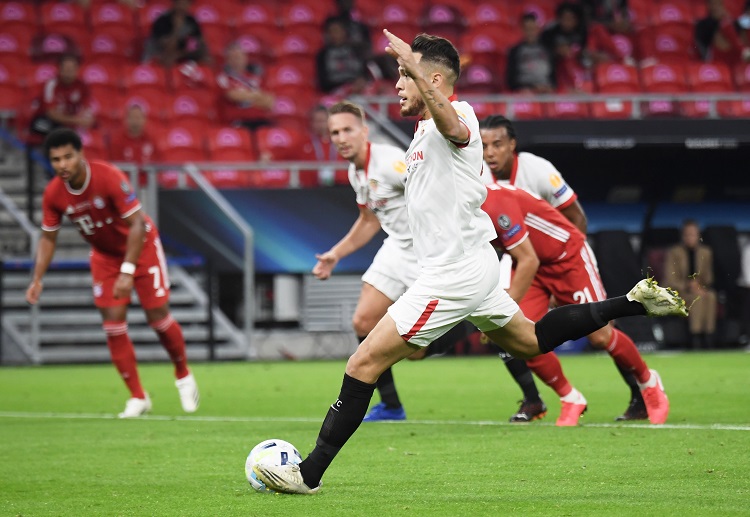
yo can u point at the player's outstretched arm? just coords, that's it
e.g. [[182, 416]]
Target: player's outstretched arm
[[445, 116], [136, 235], [45, 250], [362, 231]]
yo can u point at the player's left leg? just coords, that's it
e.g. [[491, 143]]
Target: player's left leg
[[371, 307], [151, 282]]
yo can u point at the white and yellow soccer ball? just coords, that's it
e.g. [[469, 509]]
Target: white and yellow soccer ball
[[269, 452]]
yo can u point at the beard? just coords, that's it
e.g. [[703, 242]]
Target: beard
[[414, 109]]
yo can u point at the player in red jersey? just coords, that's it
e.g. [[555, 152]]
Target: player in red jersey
[[551, 259], [126, 253]]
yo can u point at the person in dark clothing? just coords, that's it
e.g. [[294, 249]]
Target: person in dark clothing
[[717, 37], [529, 62], [176, 36], [338, 62]]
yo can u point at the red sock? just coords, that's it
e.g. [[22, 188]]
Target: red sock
[[624, 352], [170, 335], [548, 368], [123, 356]]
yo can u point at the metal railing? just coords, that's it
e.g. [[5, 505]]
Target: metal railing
[[510, 101], [30, 348]]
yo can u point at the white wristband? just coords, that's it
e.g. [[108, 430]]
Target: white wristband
[[128, 268]]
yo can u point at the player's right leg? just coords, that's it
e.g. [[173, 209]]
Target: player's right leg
[[104, 273]]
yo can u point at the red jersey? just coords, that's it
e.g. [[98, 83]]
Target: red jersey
[[71, 99], [125, 148], [518, 215], [97, 209], [230, 111]]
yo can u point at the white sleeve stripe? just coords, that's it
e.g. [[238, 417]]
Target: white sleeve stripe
[[131, 211], [525, 236], [51, 228]]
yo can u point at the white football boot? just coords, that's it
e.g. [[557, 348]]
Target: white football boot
[[657, 300], [136, 407], [188, 390], [283, 478]]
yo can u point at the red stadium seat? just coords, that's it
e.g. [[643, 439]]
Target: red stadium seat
[[114, 19], [12, 94], [663, 78], [639, 12], [303, 41], [478, 78], [742, 77], [15, 47], [41, 73], [141, 78], [399, 13], [672, 13], [485, 109], [230, 145], [670, 43], [292, 110], [103, 46], [402, 30], [216, 39], [280, 142], [182, 143], [49, 47], [489, 42], [256, 15], [708, 78], [612, 78], [444, 20], [152, 102], [19, 15], [104, 76], [108, 106], [186, 106], [291, 73], [525, 110], [492, 14], [68, 19], [257, 46], [624, 45], [568, 110], [305, 13]]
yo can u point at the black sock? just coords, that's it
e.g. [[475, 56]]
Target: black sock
[[522, 375], [387, 389], [631, 381], [575, 321], [343, 418]]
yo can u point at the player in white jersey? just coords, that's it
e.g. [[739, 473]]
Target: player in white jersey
[[377, 173], [459, 270], [540, 177]]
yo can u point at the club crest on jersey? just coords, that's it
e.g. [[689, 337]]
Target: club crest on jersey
[[98, 290], [399, 167], [503, 222], [373, 185], [98, 202], [69, 210], [125, 187]]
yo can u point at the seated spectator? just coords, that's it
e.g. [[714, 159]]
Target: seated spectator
[[176, 37], [689, 269], [565, 40], [717, 38], [529, 63], [339, 64], [358, 32], [133, 142], [65, 101], [242, 100]]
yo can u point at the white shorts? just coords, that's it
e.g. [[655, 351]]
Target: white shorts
[[393, 270], [443, 296]]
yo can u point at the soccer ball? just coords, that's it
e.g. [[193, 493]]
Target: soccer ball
[[269, 452]]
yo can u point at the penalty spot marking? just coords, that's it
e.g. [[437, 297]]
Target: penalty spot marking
[[249, 419]]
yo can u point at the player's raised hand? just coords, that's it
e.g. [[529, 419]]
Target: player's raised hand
[[123, 286], [401, 51], [326, 262], [33, 292]]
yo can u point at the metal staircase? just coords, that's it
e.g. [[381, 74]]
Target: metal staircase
[[65, 326]]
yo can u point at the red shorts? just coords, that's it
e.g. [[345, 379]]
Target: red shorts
[[150, 280], [575, 279]]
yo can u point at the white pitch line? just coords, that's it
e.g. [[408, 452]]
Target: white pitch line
[[166, 418]]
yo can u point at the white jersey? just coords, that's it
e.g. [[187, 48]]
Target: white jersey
[[534, 174], [444, 193], [380, 187]]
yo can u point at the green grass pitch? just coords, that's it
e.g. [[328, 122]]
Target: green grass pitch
[[64, 453]]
